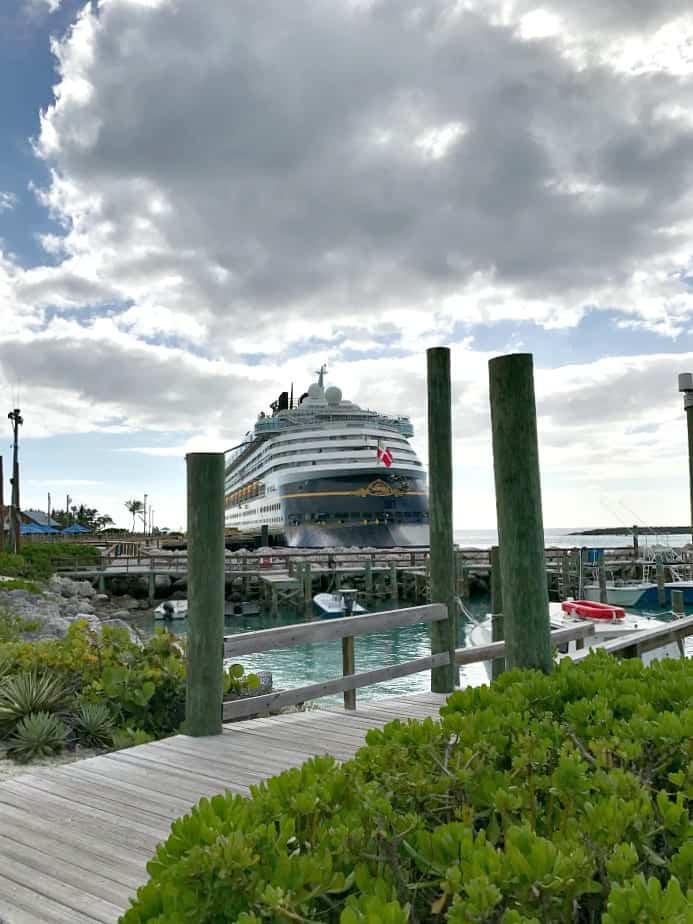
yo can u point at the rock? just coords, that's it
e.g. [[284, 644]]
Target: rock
[[74, 606], [63, 586], [118, 616], [116, 623], [102, 598], [84, 589], [128, 603]]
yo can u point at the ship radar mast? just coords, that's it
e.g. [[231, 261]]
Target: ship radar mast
[[321, 375]]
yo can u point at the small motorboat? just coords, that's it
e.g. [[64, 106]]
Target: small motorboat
[[171, 609], [341, 603]]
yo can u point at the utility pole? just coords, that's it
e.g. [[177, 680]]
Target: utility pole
[[17, 421], [686, 386], [48, 508], [144, 515], [2, 509], [67, 508]]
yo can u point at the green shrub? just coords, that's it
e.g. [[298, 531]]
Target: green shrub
[[37, 735], [93, 725], [237, 681], [20, 584], [38, 560], [539, 799], [12, 626], [13, 565], [29, 692], [130, 737]]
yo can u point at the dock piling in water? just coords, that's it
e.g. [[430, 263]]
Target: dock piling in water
[[518, 503], [205, 593], [442, 557]]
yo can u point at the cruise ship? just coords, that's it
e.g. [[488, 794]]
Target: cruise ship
[[323, 472]]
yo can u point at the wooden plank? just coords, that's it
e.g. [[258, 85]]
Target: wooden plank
[[253, 704], [22, 824], [103, 781], [78, 866], [479, 653], [24, 905], [330, 630], [79, 904]]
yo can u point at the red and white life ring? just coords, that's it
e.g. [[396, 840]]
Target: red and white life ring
[[590, 609]]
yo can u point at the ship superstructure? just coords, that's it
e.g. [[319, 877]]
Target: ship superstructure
[[311, 472]]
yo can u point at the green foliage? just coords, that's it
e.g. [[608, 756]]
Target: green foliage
[[12, 626], [237, 681], [37, 560], [94, 725], [37, 735], [27, 692], [129, 737], [20, 584], [539, 799]]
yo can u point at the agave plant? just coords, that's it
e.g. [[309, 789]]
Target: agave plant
[[28, 692], [37, 735], [94, 725]]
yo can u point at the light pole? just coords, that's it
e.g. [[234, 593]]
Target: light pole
[[686, 386]]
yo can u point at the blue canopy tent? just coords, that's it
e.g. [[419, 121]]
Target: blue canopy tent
[[33, 529], [74, 529]]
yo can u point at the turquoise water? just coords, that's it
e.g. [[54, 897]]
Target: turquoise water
[[317, 662]]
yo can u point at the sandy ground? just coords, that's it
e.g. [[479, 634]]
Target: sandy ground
[[10, 768]]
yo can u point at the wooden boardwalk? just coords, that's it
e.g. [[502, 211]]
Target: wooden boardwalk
[[75, 840]]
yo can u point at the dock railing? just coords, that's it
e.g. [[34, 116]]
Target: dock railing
[[346, 629]]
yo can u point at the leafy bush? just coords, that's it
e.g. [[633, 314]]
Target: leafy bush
[[37, 735], [130, 737], [539, 799], [94, 725], [237, 681], [20, 584]]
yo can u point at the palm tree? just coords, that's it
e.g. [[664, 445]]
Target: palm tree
[[134, 507]]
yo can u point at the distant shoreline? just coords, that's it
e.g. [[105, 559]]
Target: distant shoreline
[[628, 531]]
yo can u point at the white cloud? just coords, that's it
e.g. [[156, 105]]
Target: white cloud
[[8, 201]]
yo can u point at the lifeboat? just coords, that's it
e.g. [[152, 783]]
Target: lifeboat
[[589, 609]]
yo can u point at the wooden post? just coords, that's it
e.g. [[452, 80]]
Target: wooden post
[[307, 587], [151, 588], [394, 591], [565, 575], [497, 633], [518, 503], [677, 602], [601, 573], [636, 550], [442, 561], [348, 667], [102, 583], [368, 577], [661, 592], [205, 593]]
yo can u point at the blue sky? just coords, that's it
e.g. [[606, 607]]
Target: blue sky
[[218, 198]]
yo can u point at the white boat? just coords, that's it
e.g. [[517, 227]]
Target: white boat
[[622, 593], [604, 630], [323, 472], [341, 603], [171, 609]]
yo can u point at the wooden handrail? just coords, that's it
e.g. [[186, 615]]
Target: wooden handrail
[[638, 643], [330, 630], [497, 649]]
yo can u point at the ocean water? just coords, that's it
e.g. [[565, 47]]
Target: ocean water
[[568, 539]]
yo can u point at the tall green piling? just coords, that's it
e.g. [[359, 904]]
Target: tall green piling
[[518, 506], [442, 558], [205, 593]]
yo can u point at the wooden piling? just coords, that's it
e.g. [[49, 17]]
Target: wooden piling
[[394, 592], [205, 593], [601, 574], [442, 562], [636, 550], [497, 633], [677, 602], [518, 503], [659, 571], [348, 667]]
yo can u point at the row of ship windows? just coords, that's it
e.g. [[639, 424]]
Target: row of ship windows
[[322, 518], [263, 456], [298, 463], [344, 436]]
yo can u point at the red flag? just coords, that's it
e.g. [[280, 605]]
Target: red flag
[[384, 454]]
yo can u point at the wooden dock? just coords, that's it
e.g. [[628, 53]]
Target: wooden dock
[[75, 840]]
